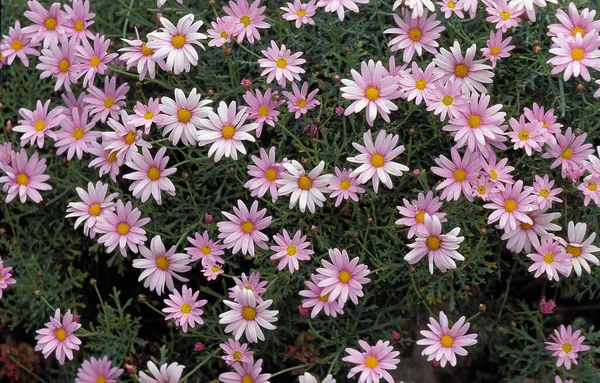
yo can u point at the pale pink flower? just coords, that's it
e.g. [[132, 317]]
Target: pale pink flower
[[542, 188], [98, 370], [250, 283], [315, 298], [340, 6], [175, 44], [106, 160], [243, 229], [48, 24], [280, 64], [505, 15], [446, 100], [76, 135], [459, 174], [59, 62], [574, 56], [526, 135], [417, 84], [265, 171], [80, 18], [441, 249], [566, 344], [38, 123], [498, 172], [6, 154], [262, 108], [185, 308], [145, 115], [528, 5], [73, 102], [204, 249], [301, 12], [549, 125], [123, 228], [511, 206], [342, 278], [574, 23], [18, 44], [376, 159], [24, 177], [150, 175], [246, 316], [497, 48], [246, 372], [226, 130], [417, 6], [236, 352], [557, 379], [590, 190], [465, 71], [580, 249], [250, 17], [371, 90], [305, 189], [58, 336], [374, 363], [124, 139], [102, 104], [414, 212], [168, 373], [290, 250], [444, 343], [569, 151], [527, 234], [222, 31], [183, 116], [212, 270], [451, 7], [547, 307], [484, 187], [550, 258], [94, 202], [343, 185], [93, 60], [415, 34], [299, 102], [138, 54], [5, 277]]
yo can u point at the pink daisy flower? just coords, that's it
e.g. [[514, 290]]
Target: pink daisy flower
[[58, 336], [168, 373], [505, 15], [340, 6], [265, 172], [343, 185], [6, 154], [280, 64], [542, 188], [529, 5], [315, 298], [150, 175], [370, 90], [24, 177], [124, 139], [566, 344], [299, 102], [446, 100], [569, 151], [484, 188], [76, 135], [222, 31], [291, 250], [376, 159], [590, 190], [444, 343], [93, 60], [243, 228], [145, 115], [48, 24], [184, 308], [263, 108], [73, 102], [417, 84], [497, 48], [98, 370], [527, 234], [557, 379], [465, 71], [246, 372], [80, 18], [226, 131], [574, 23], [203, 248], [161, 266], [498, 172], [59, 62], [451, 7], [415, 35], [440, 249], [38, 123], [550, 258], [511, 206], [247, 317], [459, 174], [212, 270], [308, 378], [342, 278], [250, 17], [123, 228], [574, 56], [414, 212], [549, 125], [105, 159], [138, 54], [374, 363], [94, 202], [101, 104], [236, 352], [175, 44], [250, 283], [18, 44], [302, 13], [5, 277], [417, 6], [581, 250], [183, 116], [526, 135], [305, 189]]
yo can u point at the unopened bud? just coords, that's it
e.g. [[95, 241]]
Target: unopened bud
[[199, 347], [580, 88], [303, 311], [141, 298], [412, 269], [93, 281], [396, 335], [337, 78], [8, 127], [210, 93], [537, 49], [411, 132], [482, 307], [416, 173], [228, 51], [185, 175], [208, 218], [37, 293]]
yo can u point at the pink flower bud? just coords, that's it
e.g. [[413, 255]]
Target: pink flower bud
[[246, 83], [546, 307], [199, 347], [396, 335], [303, 311], [339, 110], [208, 218], [130, 368], [416, 172]]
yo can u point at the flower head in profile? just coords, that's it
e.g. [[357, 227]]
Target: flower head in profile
[[307, 190], [243, 229], [342, 278], [247, 316], [98, 370], [374, 362], [58, 336], [24, 177], [168, 373], [280, 64], [185, 308], [567, 345]]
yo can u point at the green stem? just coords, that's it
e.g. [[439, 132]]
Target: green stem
[[48, 304], [291, 369], [414, 284], [507, 288], [249, 51], [474, 316], [315, 332], [26, 369], [196, 368], [155, 309]]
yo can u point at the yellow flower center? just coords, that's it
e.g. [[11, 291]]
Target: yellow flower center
[[39, 125], [248, 287], [271, 174], [451, 4], [474, 121], [281, 63], [494, 51], [577, 54], [574, 251], [227, 132], [146, 51], [262, 111], [245, 20], [60, 334], [460, 175], [371, 361], [184, 115], [78, 133], [50, 23], [22, 179], [324, 298], [433, 243], [79, 25], [95, 209], [523, 135], [415, 34], [548, 258], [447, 100], [305, 183], [544, 193], [149, 115], [101, 379], [420, 217], [421, 84], [505, 15], [123, 228], [94, 61], [345, 276], [205, 249], [566, 347], [577, 30], [237, 355], [525, 225], [377, 160], [112, 157], [493, 174], [185, 308], [214, 269], [178, 41], [592, 186], [544, 125], [510, 205], [291, 250], [301, 103], [345, 185], [153, 173], [567, 154], [162, 263], [16, 45], [63, 65], [301, 12], [481, 189], [447, 341], [248, 313], [247, 227], [247, 379], [109, 102], [130, 138], [372, 93], [223, 35], [461, 71]]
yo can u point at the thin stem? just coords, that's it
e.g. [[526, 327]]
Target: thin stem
[[196, 368], [25, 368], [249, 51], [155, 309], [507, 288], [315, 332], [474, 316], [48, 304], [291, 369], [412, 279]]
